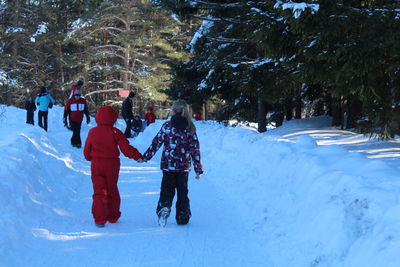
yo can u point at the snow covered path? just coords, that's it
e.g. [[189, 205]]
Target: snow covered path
[[273, 199], [213, 237], [319, 130], [57, 228]]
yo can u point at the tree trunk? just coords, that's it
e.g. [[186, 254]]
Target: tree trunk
[[262, 116], [336, 112], [288, 106], [354, 109], [127, 52], [204, 111], [60, 60], [298, 108]]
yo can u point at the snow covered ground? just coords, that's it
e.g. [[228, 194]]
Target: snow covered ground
[[294, 196]]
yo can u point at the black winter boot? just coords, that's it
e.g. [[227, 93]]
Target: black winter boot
[[183, 217]]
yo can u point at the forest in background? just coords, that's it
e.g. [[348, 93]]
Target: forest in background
[[230, 59], [110, 45]]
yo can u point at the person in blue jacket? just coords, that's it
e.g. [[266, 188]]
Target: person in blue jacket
[[44, 100]]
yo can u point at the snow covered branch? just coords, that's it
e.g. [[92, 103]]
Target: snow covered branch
[[228, 40]]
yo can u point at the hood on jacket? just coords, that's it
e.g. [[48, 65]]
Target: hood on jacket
[[106, 115], [179, 122]]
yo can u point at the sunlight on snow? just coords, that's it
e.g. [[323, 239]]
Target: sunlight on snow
[[138, 168], [381, 153], [60, 236], [61, 212], [45, 144], [46, 234], [32, 195], [134, 180], [131, 169], [67, 160], [319, 133], [353, 140], [16, 159]]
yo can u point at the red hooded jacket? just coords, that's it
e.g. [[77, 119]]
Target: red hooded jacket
[[104, 139], [150, 117]]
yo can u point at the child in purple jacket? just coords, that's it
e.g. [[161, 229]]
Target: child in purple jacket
[[181, 146]]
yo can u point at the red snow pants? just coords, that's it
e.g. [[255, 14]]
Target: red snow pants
[[106, 199]]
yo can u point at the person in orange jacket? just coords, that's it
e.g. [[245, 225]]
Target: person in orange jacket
[[102, 148], [150, 117]]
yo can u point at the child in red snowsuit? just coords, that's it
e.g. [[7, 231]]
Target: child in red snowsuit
[[150, 117], [101, 148]]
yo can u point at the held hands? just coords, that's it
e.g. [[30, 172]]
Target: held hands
[[198, 175], [140, 160]]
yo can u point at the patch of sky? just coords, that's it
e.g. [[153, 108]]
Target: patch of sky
[[78, 24], [14, 29], [233, 65], [202, 85], [42, 28], [312, 44], [3, 77], [223, 46], [175, 17]]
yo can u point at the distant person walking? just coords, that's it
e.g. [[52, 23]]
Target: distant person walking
[[44, 101], [181, 146], [30, 110], [101, 148], [75, 87], [150, 117], [127, 113], [74, 110], [197, 116]]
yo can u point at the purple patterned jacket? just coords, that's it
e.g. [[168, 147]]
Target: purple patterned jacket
[[180, 147]]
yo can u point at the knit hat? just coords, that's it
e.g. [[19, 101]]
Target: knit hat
[[42, 90]]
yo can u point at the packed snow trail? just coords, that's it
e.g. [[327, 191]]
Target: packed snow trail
[[273, 199], [136, 240], [64, 233]]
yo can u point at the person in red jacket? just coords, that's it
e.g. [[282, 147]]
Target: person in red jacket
[[101, 148], [74, 109], [150, 117], [75, 87], [197, 116]]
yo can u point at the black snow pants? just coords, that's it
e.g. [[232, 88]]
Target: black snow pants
[[128, 127], [170, 182], [76, 134], [29, 117], [42, 119]]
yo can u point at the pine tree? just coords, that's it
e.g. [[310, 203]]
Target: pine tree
[[129, 46]]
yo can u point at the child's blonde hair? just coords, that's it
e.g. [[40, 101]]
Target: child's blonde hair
[[180, 107]]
